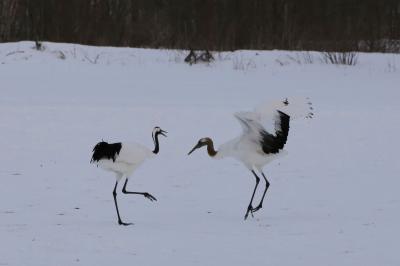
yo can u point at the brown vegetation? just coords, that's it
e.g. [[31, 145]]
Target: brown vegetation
[[339, 25]]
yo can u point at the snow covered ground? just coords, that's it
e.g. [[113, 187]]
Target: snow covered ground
[[333, 200]]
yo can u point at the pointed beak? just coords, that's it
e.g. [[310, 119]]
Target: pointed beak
[[163, 132], [194, 148]]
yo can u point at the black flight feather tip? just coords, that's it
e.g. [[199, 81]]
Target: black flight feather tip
[[103, 150], [271, 143]]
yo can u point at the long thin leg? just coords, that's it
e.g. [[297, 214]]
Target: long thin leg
[[265, 191], [250, 207], [116, 206], [145, 194]]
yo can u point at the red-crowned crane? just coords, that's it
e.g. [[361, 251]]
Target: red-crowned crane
[[123, 158], [257, 146]]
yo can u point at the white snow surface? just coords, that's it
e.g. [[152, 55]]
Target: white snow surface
[[333, 200]]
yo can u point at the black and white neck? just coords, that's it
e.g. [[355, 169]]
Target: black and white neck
[[156, 143], [156, 132]]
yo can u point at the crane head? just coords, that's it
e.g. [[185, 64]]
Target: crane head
[[202, 142], [158, 130]]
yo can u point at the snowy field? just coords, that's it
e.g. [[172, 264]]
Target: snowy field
[[333, 200]]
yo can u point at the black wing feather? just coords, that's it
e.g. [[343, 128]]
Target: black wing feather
[[104, 150], [271, 143]]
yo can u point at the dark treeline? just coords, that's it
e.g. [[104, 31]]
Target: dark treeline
[[368, 25]]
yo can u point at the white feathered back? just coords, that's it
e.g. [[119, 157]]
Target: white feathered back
[[133, 153]]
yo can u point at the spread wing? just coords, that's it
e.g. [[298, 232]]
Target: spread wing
[[254, 131], [268, 124], [295, 107]]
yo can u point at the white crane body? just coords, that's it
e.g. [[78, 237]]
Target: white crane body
[[130, 157], [264, 135], [123, 159]]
